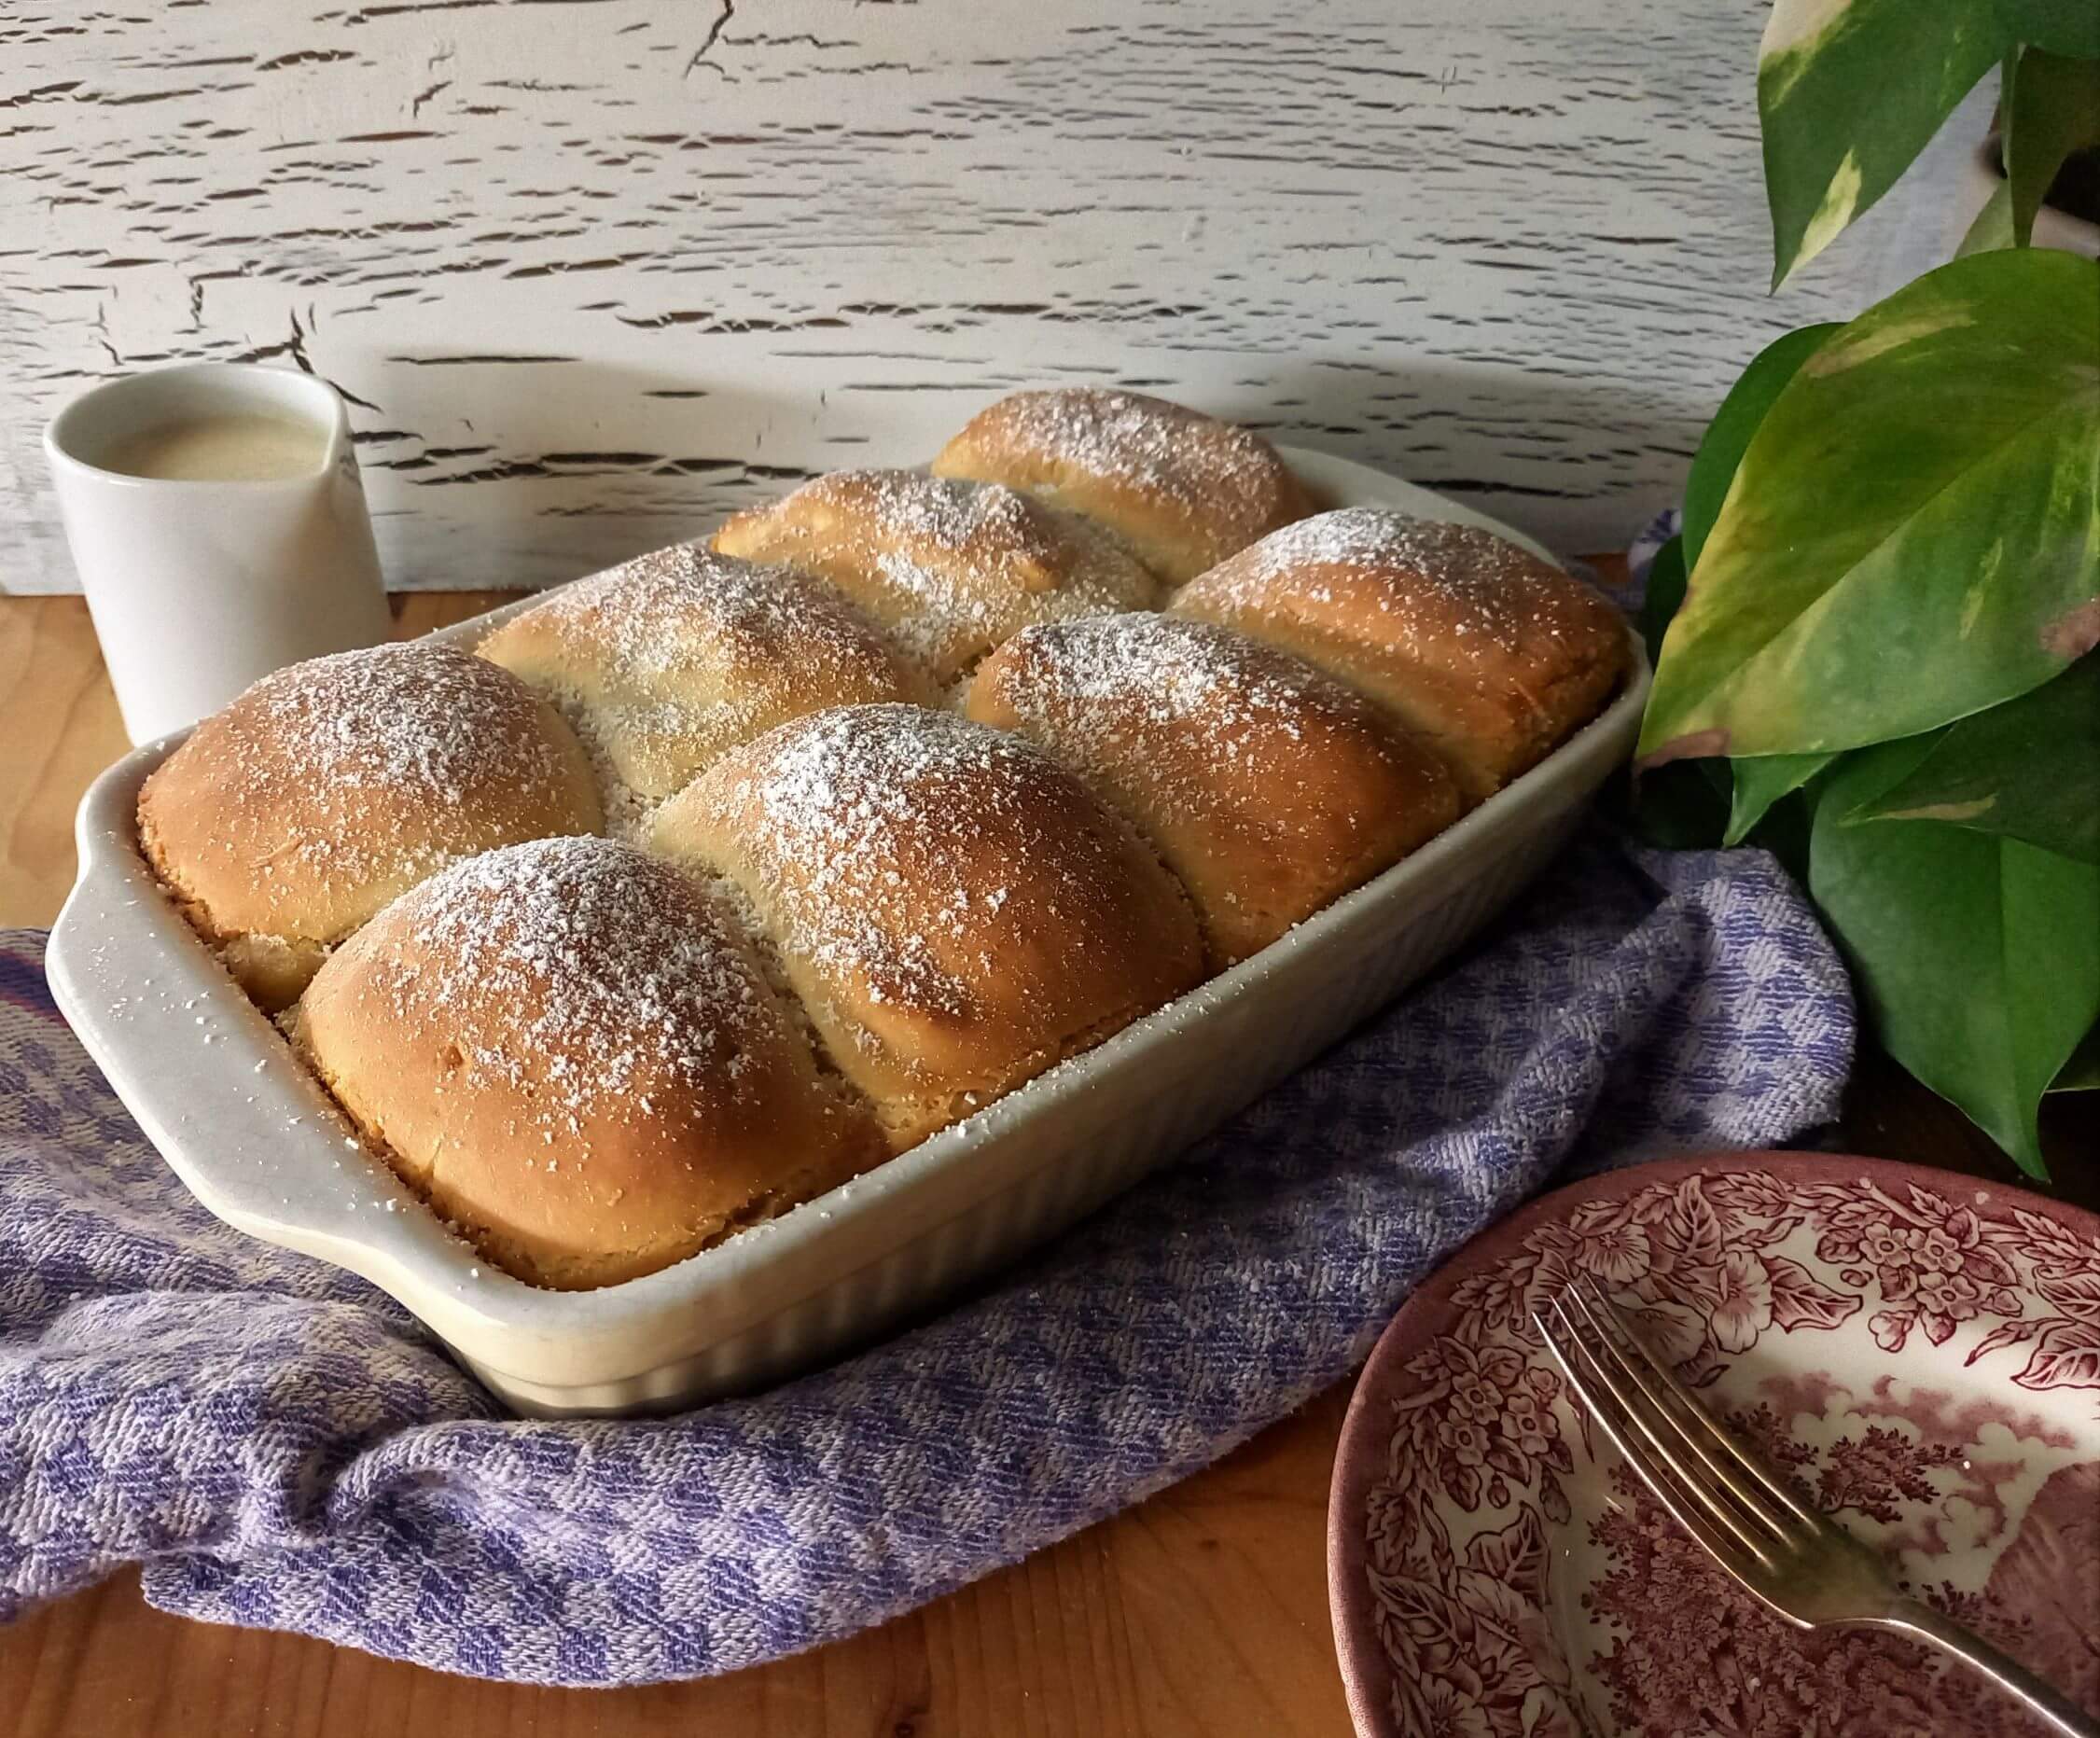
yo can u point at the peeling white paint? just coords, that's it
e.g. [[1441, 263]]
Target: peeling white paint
[[597, 273]]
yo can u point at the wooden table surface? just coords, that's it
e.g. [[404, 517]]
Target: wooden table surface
[[1202, 1611]]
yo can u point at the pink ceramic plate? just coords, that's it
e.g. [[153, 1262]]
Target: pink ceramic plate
[[1922, 1351]]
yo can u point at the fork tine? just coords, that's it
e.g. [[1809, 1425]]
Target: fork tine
[[1719, 1545], [1667, 1403], [1669, 1392], [1680, 1488], [1728, 1469]]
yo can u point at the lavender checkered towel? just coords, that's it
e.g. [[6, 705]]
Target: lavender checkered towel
[[282, 1445]]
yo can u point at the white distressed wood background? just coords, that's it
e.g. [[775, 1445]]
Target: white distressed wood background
[[594, 272]]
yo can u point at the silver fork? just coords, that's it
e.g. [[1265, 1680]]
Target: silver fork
[[1793, 1558]]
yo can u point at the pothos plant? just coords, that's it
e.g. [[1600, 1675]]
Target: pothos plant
[[1874, 638]]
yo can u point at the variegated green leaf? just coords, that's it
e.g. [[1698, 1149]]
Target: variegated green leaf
[[2053, 110], [2082, 1072], [1662, 595], [1728, 436], [1914, 532], [1754, 786], [1682, 807], [1850, 91], [2029, 769], [1992, 227], [1761, 781], [2061, 26], [1978, 957]]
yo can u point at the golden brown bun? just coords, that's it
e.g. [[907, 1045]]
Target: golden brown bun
[[1266, 785], [327, 788], [1186, 489], [1491, 654], [956, 911], [565, 1048], [951, 568], [676, 656]]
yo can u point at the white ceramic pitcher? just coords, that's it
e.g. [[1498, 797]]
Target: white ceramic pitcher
[[198, 587]]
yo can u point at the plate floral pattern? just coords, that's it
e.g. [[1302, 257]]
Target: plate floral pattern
[[1921, 1352]]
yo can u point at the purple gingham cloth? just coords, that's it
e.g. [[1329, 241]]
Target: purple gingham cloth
[[281, 1445]]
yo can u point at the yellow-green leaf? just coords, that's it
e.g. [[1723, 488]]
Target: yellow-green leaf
[[1914, 532], [1849, 92], [1978, 957], [2029, 769], [1728, 436], [1761, 781], [1661, 594], [1990, 227]]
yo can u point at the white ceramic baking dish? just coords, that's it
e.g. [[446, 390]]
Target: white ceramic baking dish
[[245, 1126]]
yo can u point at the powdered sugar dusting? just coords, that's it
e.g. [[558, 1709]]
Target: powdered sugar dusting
[[421, 721], [583, 968], [1444, 551], [1167, 671], [628, 810], [667, 661], [331, 783], [939, 512], [1163, 448], [952, 566], [880, 818], [659, 614], [1173, 702], [1473, 593]]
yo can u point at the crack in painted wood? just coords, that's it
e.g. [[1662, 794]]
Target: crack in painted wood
[[597, 271]]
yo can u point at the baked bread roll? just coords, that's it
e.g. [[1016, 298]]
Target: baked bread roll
[[1186, 489], [951, 568], [1266, 785], [955, 911], [1491, 654], [568, 1051], [330, 786], [669, 659]]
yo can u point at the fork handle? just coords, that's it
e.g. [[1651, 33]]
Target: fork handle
[[2059, 1711]]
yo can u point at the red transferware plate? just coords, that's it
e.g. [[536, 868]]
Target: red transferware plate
[[1921, 1351]]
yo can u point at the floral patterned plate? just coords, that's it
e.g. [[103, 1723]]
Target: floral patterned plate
[[1920, 1350]]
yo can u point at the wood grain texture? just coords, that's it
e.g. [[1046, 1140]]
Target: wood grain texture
[[596, 271], [59, 727], [1199, 1614]]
